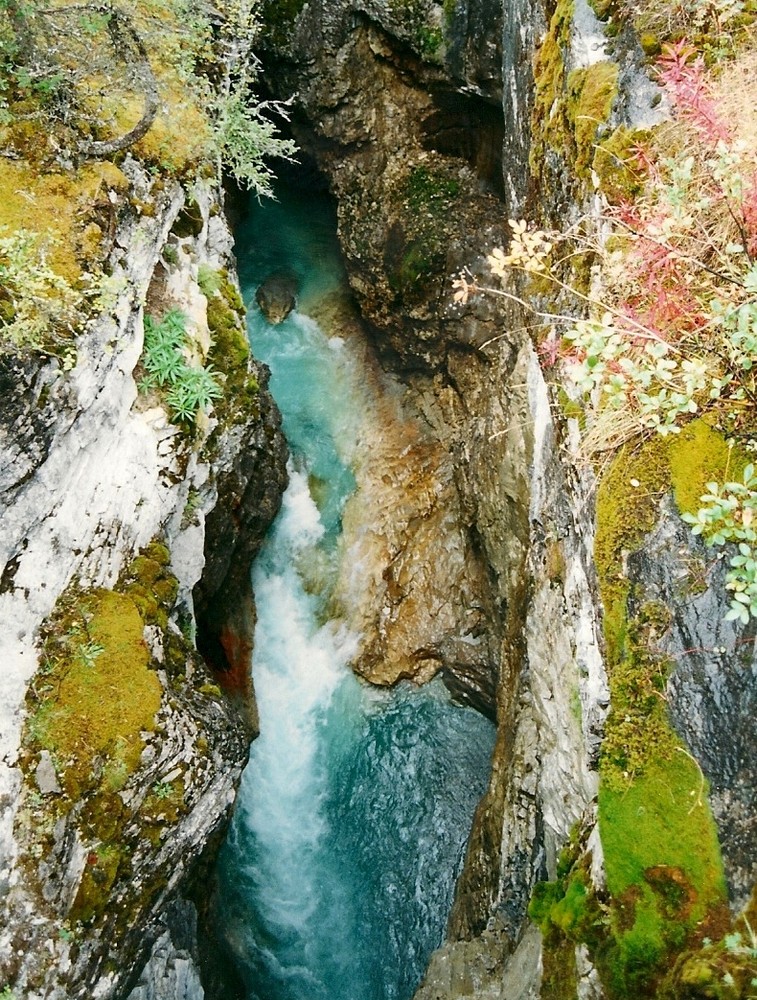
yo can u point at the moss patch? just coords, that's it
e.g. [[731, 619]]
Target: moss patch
[[664, 870], [700, 455], [662, 820], [625, 514], [416, 245], [100, 873], [62, 208], [101, 694], [637, 728], [230, 349], [620, 178], [665, 886], [549, 125], [591, 92]]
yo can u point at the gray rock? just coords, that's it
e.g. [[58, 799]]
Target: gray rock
[[47, 779]]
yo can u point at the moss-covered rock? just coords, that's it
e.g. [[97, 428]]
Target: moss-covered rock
[[591, 91], [99, 694]]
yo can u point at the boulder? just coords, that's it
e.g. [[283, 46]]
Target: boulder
[[277, 296]]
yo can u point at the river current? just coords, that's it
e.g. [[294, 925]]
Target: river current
[[338, 871]]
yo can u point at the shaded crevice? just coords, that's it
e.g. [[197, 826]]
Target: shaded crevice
[[469, 128]]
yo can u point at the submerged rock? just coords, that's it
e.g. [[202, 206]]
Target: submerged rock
[[277, 296]]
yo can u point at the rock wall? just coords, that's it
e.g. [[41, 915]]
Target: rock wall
[[93, 473]]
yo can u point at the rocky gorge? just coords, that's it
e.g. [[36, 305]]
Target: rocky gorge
[[497, 558]]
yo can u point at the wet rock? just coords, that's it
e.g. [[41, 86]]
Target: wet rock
[[277, 296], [712, 691]]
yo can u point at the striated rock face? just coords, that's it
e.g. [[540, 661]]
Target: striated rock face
[[520, 637], [552, 699], [99, 831]]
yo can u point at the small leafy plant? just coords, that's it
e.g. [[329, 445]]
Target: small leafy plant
[[729, 514], [163, 790], [189, 388]]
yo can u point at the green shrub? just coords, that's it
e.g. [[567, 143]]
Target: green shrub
[[189, 388]]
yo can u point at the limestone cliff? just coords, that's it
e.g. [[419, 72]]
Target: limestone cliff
[[95, 843], [120, 751]]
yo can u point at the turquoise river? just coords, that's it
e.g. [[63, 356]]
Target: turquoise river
[[337, 876]]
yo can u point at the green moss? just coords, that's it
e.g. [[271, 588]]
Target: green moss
[[426, 189], [99, 705], [566, 912], [625, 514], [664, 878], [413, 15], [549, 126], [603, 8], [145, 570], [165, 804], [700, 455], [559, 975], [721, 966], [230, 349], [650, 43], [664, 873], [590, 95], [663, 866], [100, 873], [569, 110], [416, 247], [159, 552], [662, 819]]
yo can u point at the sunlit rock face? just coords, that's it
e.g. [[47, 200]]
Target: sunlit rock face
[[93, 473]]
